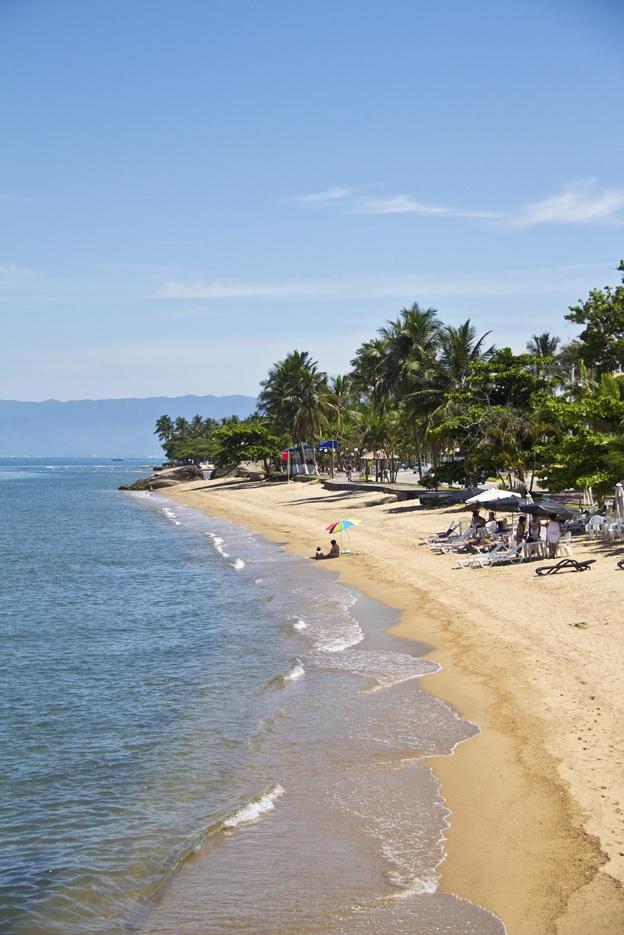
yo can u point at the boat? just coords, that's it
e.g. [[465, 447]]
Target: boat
[[116, 459]]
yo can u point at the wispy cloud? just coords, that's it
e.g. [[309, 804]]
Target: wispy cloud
[[385, 285], [403, 204], [11, 269], [243, 290], [579, 203], [327, 197]]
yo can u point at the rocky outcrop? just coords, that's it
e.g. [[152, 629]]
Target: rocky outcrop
[[168, 477]]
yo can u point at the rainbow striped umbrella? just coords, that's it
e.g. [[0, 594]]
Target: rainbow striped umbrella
[[343, 525]]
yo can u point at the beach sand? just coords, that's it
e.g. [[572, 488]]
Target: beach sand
[[537, 799]]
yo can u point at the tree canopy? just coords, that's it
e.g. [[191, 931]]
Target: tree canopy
[[428, 391]]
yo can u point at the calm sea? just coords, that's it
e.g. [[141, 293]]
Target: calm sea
[[202, 733]]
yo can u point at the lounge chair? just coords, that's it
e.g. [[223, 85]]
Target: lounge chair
[[453, 542], [453, 530], [566, 564], [514, 556], [480, 559]]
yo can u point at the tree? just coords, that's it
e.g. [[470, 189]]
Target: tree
[[543, 345], [295, 399], [164, 428], [245, 441], [603, 317]]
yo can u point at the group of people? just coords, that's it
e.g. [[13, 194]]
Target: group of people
[[523, 532], [334, 551]]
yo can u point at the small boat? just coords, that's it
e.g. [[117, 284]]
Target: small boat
[[116, 459]]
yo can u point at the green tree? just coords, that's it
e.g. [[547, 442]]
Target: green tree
[[603, 338], [245, 441], [295, 399], [164, 428]]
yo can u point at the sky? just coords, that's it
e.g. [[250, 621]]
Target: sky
[[191, 189]]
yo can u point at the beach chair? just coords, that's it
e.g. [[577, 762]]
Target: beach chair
[[595, 526], [564, 547], [613, 530], [566, 564], [453, 542], [481, 559], [454, 530], [514, 556]]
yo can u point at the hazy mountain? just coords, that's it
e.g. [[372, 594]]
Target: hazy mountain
[[104, 428]]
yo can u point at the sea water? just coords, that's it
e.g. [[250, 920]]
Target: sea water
[[202, 733]]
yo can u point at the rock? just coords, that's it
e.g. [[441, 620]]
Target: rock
[[167, 477]]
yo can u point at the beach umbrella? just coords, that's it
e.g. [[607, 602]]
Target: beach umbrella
[[490, 495], [343, 525], [461, 496], [502, 503], [544, 507]]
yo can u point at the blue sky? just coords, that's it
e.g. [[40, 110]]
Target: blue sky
[[190, 190]]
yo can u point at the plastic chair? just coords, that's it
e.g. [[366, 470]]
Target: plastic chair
[[564, 548], [595, 526]]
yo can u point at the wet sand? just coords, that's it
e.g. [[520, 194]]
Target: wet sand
[[537, 799]]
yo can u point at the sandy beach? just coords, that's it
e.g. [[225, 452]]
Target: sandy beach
[[537, 799]]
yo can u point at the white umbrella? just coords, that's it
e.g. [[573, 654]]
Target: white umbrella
[[488, 496]]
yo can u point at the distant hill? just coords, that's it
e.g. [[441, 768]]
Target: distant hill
[[104, 428]]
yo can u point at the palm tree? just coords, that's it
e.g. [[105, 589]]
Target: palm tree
[[543, 345], [181, 426], [410, 341], [165, 429], [294, 398], [459, 349]]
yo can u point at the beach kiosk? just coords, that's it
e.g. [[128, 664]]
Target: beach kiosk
[[299, 459]]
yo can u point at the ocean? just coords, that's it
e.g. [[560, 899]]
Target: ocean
[[202, 733]]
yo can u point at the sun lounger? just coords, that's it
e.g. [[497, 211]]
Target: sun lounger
[[498, 556], [566, 564], [480, 559]]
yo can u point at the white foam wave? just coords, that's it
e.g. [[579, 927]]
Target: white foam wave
[[300, 625], [384, 667], [296, 672], [238, 563], [217, 541], [255, 809]]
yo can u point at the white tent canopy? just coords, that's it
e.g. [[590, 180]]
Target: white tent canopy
[[488, 496]]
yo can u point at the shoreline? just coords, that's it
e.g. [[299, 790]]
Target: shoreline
[[527, 840]]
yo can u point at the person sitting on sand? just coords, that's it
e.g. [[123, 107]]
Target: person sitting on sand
[[334, 551]]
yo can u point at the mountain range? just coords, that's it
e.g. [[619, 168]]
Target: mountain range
[[103, 428]]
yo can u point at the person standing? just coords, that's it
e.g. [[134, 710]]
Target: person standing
[[553, 534]]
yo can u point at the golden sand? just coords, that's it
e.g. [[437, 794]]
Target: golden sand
[[537, 799]]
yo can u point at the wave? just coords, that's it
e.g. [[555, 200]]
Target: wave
[[295, 672], [238, 563], [249, 813], [300, 625], [255, 809]]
